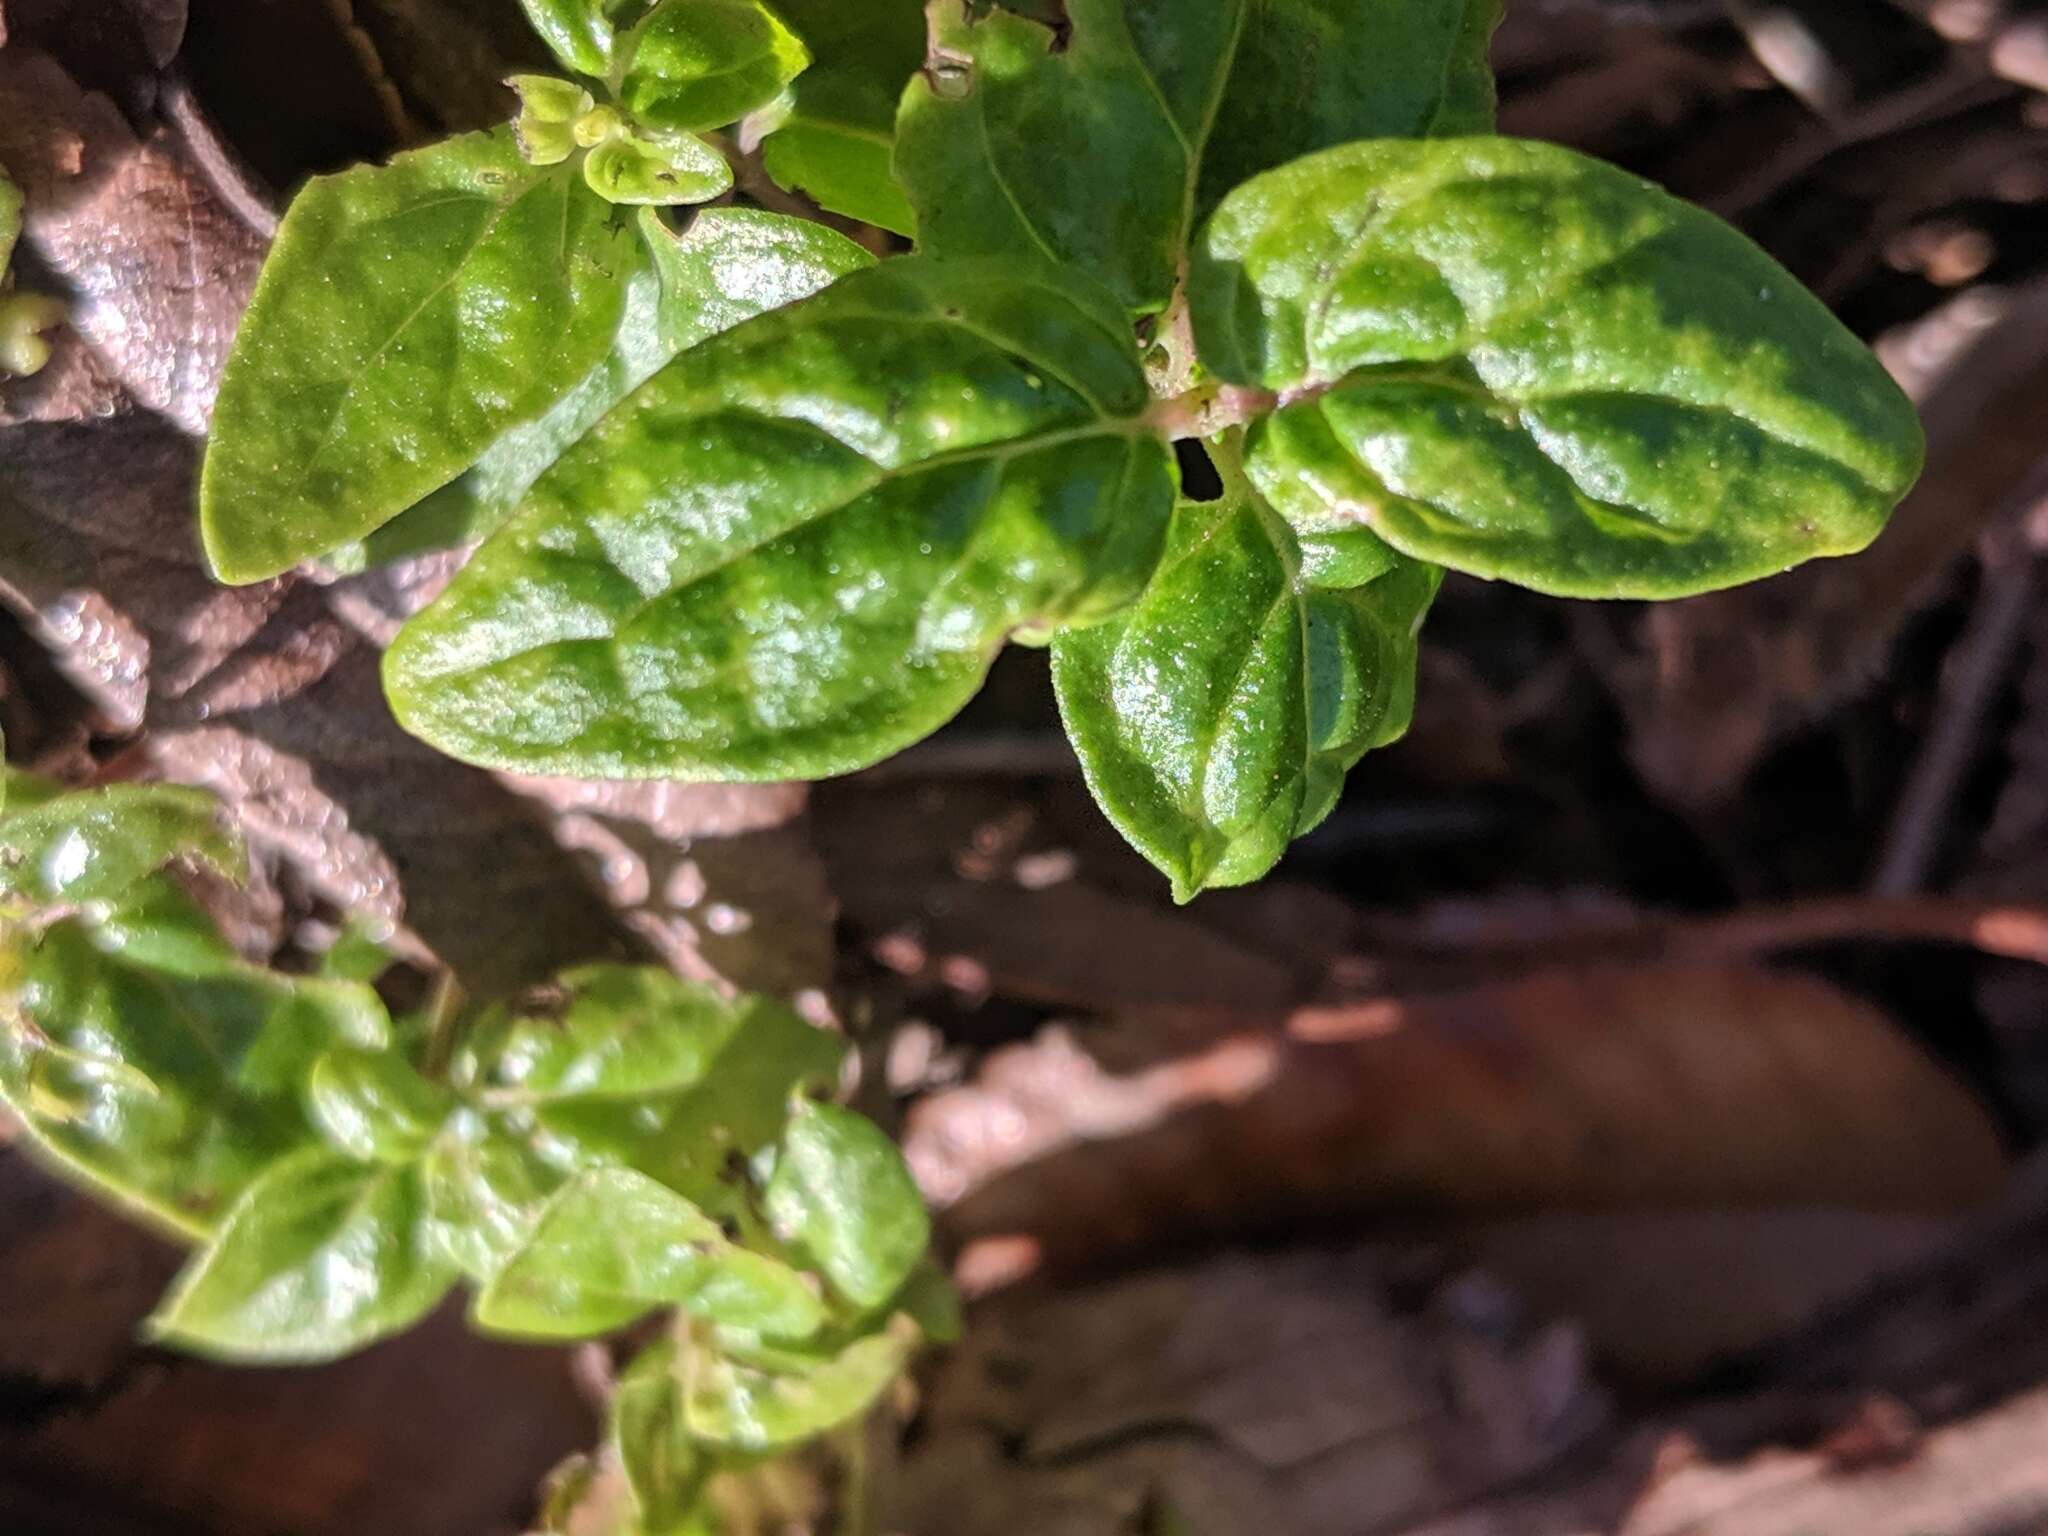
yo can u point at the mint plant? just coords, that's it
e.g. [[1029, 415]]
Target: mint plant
[[760, 508], [623, 1144]]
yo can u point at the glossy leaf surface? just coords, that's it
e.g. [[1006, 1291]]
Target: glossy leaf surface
[[1104, 144], [407, 316], [656, 169], [579, 31], [373, 1106], [488, 1180], [171, 1092], [1521, 363], [1216, 718], [701, 64], [843, 1197], [835, 142], [320, 1256], [623, 1032], [797, 548], [615, 1244], [635, 1069], [730, 265], [93, 845]]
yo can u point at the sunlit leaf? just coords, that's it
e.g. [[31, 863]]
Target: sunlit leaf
[[93, 845], [614, 1245], [1104, 142], [579, 32], [170, 1092], [1514, 361], [320, 1256], [374, 1106], [1216, 718], [798, 547], [407, 316], [729, 265], [701, 64], [844, 1200]]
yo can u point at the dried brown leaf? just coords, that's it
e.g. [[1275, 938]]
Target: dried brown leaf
[[1607, 1086], [157, 269]]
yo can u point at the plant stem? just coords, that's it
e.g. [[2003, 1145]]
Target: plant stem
[[1210, 408]]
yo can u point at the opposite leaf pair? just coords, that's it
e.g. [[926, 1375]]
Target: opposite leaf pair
[[796, 546]]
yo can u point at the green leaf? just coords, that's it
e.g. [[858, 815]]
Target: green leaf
[[634, 1068], [656, 169], [1520, 363], [931, 1301], [1105, 145], [748, 1407], [319, 1257], [407, 316], [10, 221], [1216, 718], [158, 925], [621, 1032], [578, 31], [835, 141], [548, 111], [739, 1108], [171, 1092], [374, 1106], [842, 1197], [615, 1244], [650, 1432], [798, 547], [93, 845], [730, 265], [487, 1184], [701, 64]]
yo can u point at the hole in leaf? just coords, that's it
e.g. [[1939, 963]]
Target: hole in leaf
[[1198, 478]]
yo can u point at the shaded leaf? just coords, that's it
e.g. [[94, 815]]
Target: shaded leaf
[[1521, 363], [700, 64], [650, 1431], [407, 316], [10, 221], [171, 1092], [615, 1244], [844, 1199], [1104, 143], [93, 845], [729, 265], [319, 1257], [835, 141], [1216, 718], [883, 482]]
